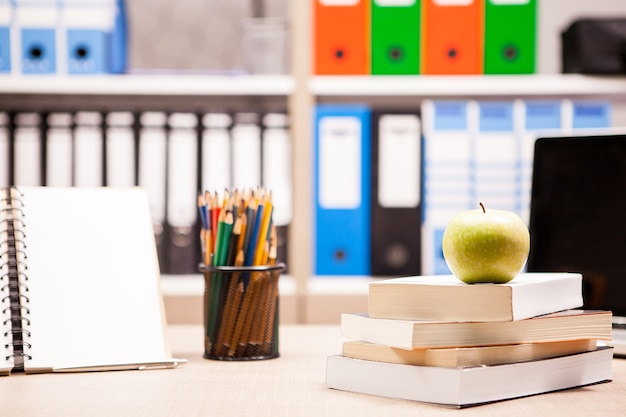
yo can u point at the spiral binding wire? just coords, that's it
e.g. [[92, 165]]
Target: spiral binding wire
[[13, 278]]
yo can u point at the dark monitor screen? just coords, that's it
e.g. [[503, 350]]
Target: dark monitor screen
[[578, 215]]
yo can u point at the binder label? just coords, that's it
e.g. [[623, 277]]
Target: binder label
[[453, 2], [339, 2], [394, 3], [340, 162], [399, 161], [506, 2]]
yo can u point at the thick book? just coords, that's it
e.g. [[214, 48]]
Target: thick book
[[470, 356], [79, 287], [467, 386], [410, 334], [446, 298]]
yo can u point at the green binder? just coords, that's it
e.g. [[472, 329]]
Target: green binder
[[395, 37], [510, 36]]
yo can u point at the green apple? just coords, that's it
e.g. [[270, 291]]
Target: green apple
[[486, 245]]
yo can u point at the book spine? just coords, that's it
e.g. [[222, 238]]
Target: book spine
[[14, 313]]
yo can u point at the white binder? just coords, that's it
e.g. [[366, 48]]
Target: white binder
[[216, 152], [120, 141], [27, 150], [88, 150], [59, 150]]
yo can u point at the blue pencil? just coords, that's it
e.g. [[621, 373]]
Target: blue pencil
[[254, 237]]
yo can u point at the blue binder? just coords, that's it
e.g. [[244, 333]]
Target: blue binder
[[542, 116], [6, 15], [118, 40], [342, 190], [591, 114], [496, 157], [96, 36], [37, 33]]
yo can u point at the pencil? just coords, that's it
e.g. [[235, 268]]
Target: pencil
[[223, 243], [229, 313], [252, 314], [215, 213], [254, 236], [249, 294], [233, 241], [260, 244], [242, 235], [250, 218], [219, 233]]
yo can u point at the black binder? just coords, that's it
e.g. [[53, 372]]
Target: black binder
[[595, 46], [396, 194]]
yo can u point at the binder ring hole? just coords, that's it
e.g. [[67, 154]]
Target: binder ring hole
[[510, 52], [36, 52], [452, 53], [81, 52], [339, 53], [340, 255], [396, 53]]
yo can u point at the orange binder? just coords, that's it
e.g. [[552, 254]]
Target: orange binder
[[452, 36], [341, 37]]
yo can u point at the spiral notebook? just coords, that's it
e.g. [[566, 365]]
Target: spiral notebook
[[79, 282]]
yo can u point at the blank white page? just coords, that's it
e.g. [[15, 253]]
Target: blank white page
[[93, 278]]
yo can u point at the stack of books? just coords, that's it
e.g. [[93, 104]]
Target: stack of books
[[436, 339]]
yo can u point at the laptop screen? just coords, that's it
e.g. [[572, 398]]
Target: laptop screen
[[578, 215]]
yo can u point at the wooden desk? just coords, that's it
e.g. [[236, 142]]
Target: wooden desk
[[292, 385]]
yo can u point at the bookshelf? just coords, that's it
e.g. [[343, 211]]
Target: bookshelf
[[150, 85], [539, 85], [297, 93]]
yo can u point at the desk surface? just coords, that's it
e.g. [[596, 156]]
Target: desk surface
[[291, 385]]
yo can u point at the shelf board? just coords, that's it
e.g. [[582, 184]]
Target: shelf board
[[149, 85], [468, 86]]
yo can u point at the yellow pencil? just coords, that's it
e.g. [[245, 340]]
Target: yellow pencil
[[267, 215]]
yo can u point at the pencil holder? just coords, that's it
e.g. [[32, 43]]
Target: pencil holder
[[241, 312]]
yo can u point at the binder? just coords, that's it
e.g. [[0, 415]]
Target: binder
[[6, 18], [85, 27], [120, 149], [246, 151], [216, 154], [118, 40], [5, 153], [496, 153], [80, 288], [452, 41], [447, 173], [27, 150], [510, 36], [277, 172], [541, 118], [34, 36], [395, 29], [341, 37], [396, 194], [342, 190], [88, 150], [590, 114], [277, 176], [182, 249], [59, 150], [152, 173]]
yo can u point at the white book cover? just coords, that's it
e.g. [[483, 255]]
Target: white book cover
[[445, 297], [461, 387]]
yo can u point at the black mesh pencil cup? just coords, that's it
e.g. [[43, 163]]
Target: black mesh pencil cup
[[241, 312]]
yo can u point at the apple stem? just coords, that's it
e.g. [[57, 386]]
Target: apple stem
[[483, 207]]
